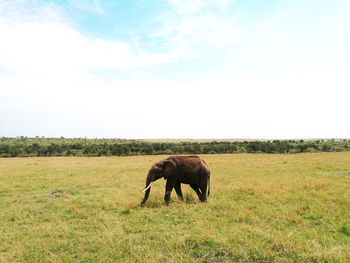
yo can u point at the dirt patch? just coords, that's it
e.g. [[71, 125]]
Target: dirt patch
[[62, 192]]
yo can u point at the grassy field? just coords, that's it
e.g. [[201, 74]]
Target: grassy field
[[262, 208]]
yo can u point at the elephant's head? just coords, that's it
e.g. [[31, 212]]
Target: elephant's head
[[163, 168]]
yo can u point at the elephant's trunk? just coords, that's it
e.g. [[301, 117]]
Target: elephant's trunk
[[147, 188]]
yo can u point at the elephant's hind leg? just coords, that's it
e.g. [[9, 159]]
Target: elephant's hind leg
[[203, 187], [196, 189], [178, 191]]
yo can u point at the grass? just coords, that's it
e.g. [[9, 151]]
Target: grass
[[262, 208]]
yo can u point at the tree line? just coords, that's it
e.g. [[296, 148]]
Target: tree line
[[40, 146]]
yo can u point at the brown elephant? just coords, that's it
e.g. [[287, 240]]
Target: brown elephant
[[179, 170]]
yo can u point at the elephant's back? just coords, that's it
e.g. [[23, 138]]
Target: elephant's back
[[190, 164], [191, 161]]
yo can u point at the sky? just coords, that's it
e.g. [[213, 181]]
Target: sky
[[273, 69]]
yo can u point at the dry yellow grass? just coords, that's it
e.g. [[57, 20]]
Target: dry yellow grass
[[262, 208]]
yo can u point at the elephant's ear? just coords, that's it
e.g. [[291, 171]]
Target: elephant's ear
[[169, 168]]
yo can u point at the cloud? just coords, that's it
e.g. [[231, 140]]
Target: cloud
[[16, 11], [89, 6], [39, 41], [196, 6], [193, 26], [49, 48], [198, 32]]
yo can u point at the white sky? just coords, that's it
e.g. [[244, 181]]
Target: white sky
[[194, 74]]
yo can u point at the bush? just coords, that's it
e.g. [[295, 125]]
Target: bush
[[13, 147]]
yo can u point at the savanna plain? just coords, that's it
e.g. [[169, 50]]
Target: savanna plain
[[262, 208]]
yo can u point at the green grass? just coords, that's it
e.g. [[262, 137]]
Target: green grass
[[262, 208]]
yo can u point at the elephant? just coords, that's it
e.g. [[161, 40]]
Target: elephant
[[177, 170]]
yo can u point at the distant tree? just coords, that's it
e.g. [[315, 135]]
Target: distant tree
[[326, 148], [149, 150], [253, 147]]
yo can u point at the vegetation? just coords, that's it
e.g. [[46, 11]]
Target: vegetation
[[262, 208], [30, 147]]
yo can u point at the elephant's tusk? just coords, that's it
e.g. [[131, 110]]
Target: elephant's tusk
[[144, 189]]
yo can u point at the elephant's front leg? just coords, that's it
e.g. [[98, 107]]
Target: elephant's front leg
[[178, 191], [170, 183]]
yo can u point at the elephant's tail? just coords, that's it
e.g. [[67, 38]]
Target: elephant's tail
[[209, 183]]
